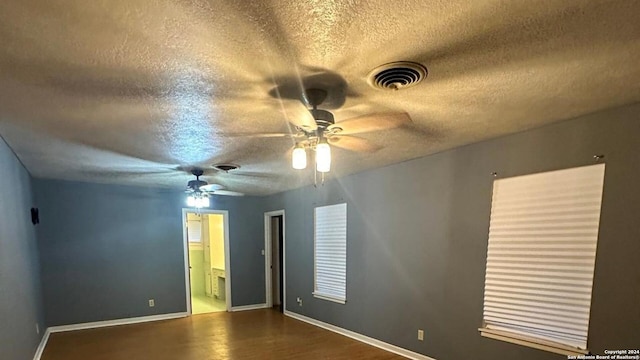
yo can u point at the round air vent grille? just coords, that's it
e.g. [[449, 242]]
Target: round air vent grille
[[397, 75], [226, 167]]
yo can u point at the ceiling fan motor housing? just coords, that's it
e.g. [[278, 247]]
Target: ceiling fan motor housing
[[323, 118], [196, 184]]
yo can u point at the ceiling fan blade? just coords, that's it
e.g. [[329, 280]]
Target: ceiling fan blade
[[354, 143], [372, 122], [297, 114], [227, 193], [253, 174], [212, 187]]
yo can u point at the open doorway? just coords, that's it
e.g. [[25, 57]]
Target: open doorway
[[207, 273], [275, 259]]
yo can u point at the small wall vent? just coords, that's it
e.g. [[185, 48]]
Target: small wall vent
[[397, 75]]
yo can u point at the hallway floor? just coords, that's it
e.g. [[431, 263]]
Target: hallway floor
[[201, 304]]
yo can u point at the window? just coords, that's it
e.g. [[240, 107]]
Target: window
[[194, 231], [541, 257], [330, 253]]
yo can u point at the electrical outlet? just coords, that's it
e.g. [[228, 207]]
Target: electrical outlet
[[262, 251], [420, 334], [152, 303], [37, 328], [299, 300]]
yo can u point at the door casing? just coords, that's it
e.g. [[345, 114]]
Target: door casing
[[227, 259], [267, 258]]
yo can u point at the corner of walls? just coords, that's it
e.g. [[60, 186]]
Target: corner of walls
[[21, 306], [246, 242]]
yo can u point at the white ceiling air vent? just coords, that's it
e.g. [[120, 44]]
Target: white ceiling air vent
[[397, 75], [225, 167]]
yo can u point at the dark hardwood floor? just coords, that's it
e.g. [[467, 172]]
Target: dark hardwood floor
[[257, 334]]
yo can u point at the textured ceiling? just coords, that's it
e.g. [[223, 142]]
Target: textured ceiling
[[132, 92]]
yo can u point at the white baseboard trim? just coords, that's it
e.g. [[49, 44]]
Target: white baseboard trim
[[248, 307], [100, 324], [43, 343], [106, 323], [362, 338]]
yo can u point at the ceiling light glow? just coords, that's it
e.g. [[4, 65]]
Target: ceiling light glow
[[323, 157], [191, 201], [198, 201], [299, 158]]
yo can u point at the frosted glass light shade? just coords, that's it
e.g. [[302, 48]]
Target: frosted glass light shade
[[299, 158], [323, 157], [191, 201], [198, 201]]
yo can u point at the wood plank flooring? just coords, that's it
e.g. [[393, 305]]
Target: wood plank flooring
[[257, 334]]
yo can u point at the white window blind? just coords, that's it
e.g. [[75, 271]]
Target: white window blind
[[194, 231], [541, 256], [330, 253]]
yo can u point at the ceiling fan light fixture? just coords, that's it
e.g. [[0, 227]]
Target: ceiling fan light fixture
[[323, 157], [200, 191], [299, 158], [191, 201], [198, 201]]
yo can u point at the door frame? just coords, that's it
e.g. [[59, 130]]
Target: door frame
[[227, 259], [267, 259]]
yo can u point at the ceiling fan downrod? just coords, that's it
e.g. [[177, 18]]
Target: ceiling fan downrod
[[197, 173], [323, 118]]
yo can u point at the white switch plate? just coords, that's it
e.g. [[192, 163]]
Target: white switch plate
[[262, 251], [152, 303], [37, 328], [420, 334]]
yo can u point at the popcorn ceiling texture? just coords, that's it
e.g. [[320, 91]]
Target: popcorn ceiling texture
[[132, 92]]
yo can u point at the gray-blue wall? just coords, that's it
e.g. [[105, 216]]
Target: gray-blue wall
[[20, 300], [107, 249], [417, 239]]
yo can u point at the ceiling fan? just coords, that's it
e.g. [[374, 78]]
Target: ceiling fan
[[316, 130], [199, 191]]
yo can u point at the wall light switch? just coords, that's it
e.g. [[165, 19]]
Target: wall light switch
[[420, 334], [152, 303], [37, 328]]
